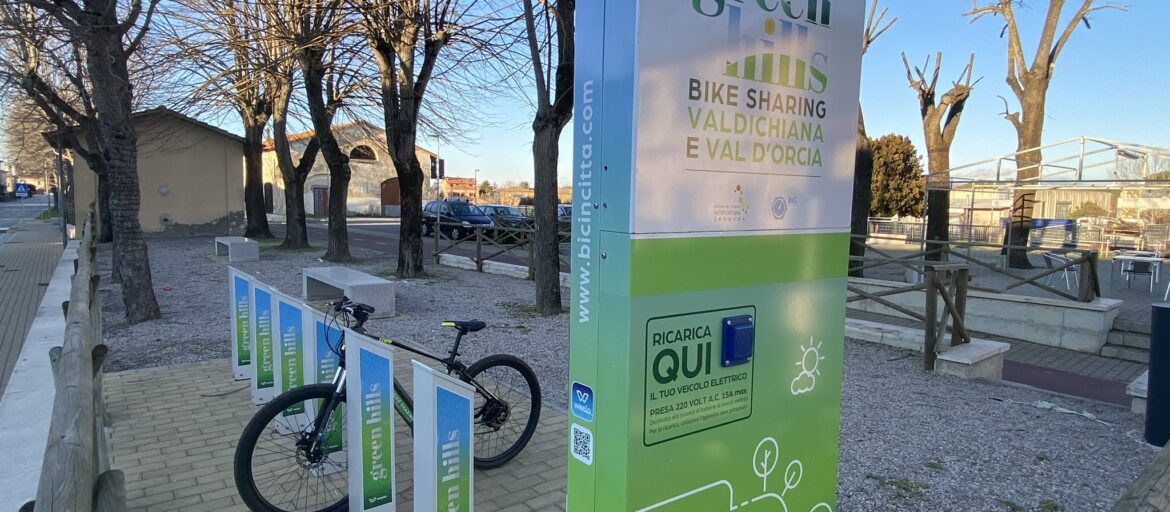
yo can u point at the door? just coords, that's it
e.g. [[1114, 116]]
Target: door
[[320, 202]]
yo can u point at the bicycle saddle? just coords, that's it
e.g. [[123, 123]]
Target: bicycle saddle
[[466, 325]]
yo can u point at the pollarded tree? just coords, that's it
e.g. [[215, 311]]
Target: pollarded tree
[[110, 36], [554, 107], [875, 25], [898, 184], [1029, 83], [940, 123]]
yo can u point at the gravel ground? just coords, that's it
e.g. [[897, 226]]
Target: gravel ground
[[910, 441]]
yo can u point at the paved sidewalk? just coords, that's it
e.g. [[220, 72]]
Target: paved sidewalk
[[176, 428], [28, 254]]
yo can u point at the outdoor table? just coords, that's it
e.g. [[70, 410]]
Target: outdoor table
[[1129, 257]]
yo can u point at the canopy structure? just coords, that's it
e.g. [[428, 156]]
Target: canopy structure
[[1096, 192]]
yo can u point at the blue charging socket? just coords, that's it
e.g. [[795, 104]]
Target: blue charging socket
[[739, 340]]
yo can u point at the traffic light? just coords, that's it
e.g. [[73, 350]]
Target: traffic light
[[434, 167]]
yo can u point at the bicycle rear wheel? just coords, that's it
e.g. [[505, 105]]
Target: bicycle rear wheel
[[505, 420], [281, 467]]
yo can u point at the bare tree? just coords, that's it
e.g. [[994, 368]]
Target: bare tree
[[940, 123], [875, 25], [320, 36], [293, 175], [225, 55], [1029, 83], [109, 39], [406, 38], [552, 34]]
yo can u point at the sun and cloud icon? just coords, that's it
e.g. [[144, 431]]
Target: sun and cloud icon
[[810, 361]]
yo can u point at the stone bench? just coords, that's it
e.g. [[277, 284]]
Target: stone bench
[[333, 282], [237, 248], [1137, 391], [979, 359]]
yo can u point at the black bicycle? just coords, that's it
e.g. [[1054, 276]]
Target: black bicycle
[[291, 455]]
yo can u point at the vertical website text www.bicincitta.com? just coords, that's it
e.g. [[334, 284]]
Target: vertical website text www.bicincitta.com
[[583, 224]]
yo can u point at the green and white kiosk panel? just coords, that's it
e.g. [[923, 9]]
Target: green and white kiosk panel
[[712, 183]]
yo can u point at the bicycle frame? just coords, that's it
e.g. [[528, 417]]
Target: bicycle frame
[[402, 400]]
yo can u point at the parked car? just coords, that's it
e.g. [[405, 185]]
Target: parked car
[[507, 216], [565, 212], [456, 219]]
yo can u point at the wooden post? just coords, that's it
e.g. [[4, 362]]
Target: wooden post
[[931, 336], [437, 233], [109, 494], [961, 276], [1151, 491], [68, 470], [531, 254], [54, 361], [479, 249]]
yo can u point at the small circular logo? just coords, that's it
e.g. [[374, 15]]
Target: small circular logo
[[779, 207]]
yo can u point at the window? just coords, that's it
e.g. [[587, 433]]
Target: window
[[1062, 209], [362, 153]]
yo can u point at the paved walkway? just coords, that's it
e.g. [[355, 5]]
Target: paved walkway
[[29, 250], [175, 432]]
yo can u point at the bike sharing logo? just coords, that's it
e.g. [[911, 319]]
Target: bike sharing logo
[[582, 401], [765, 460], [732, 211]]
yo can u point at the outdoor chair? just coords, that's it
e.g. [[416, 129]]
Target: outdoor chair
[[1053, 260], [1140, 268]]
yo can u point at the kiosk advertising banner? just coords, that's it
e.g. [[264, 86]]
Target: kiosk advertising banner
[[290, 356], [240, 292], [443, 436], [370, 388], [262, 347], [713, 169]]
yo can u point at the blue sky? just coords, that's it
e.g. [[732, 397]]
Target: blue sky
[[1112, 82]]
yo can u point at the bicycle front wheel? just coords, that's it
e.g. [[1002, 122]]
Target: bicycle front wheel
[[280, 466], [507, 408]]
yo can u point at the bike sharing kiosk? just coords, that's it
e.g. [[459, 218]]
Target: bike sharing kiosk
[[712, 183]]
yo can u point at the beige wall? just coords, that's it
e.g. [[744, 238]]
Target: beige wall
[[366, 176], [191, 179]]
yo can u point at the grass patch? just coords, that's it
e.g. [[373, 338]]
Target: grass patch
[[935, 465], [903, 487], [1050, 506], [273, 245], [1012, 506], [51, 213]]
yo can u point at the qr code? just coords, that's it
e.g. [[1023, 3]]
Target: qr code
[[582, 443]]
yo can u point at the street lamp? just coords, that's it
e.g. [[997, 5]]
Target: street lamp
[[477, 185]]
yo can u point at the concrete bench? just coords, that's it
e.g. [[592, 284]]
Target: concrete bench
[[979, 359], [237, 248], [333, 282], [1137, 391]]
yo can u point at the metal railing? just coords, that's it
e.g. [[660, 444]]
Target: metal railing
[[76, 474]]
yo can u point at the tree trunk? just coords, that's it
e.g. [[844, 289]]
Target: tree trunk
[[106, 61], [337, 161], [938, 201], [862, 195], [410, 177], [1029, 133], [106, 235], [254, 211], [296, 233], [545, 149]]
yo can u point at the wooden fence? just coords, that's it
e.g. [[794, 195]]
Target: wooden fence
[[946, 281], [76, 474], [498, 243]]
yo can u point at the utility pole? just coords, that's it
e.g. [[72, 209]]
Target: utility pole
[[477, 185]]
